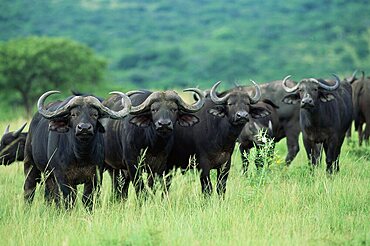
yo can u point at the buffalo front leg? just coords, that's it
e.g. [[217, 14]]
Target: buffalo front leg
[[205, 179], [244, 152], [332, 151], [137, 179], [66, 192], [90, 188], [311, 151], [120, 183], [33, 176], [222, 175], [292, 144]]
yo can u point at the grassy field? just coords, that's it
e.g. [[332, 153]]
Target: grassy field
[[279, 206]]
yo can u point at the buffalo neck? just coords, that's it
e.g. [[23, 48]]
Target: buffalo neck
[[86, 150], [226, 133], [310, 117]]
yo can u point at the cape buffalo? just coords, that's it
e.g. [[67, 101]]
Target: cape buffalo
[[12, 145], [250, 135], [325, 116], [288, 116], [148, 131], [212, 140], [361, 102], [65, 142]]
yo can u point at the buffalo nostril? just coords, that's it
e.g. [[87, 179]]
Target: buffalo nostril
[[164, 122], [241, 115], [84, 126]]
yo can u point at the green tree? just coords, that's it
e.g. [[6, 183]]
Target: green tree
[[30, 66]]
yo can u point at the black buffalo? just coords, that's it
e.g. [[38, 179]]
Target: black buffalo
[[288, 116], [212, 140], [147, 132], [251, 136], [361, 111], [65, 142], [325, 116], [12, 146]]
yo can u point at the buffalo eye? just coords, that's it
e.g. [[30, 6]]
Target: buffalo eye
[[95, 115], [73, 115], [154, 110], [174, 110]]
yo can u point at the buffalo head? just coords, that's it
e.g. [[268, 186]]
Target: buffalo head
[[309, 92], [236, 105], [81, 114], [12, 145], [163, 109]]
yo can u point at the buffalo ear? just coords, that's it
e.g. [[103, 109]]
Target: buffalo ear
[[291, 99], [100, 127], [60, 126], [258, 112], [270, 103], [326, 97], [217, 111], [142, 120], [187, 120]]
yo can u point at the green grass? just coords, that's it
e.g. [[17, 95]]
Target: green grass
[[281, 206]]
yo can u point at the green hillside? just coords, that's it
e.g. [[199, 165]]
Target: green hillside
[[158, 43]]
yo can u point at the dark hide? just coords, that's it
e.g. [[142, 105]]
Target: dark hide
[[212, 141], [325, 117], [248, 139], [288, 115], [126, 140], [66, 160]]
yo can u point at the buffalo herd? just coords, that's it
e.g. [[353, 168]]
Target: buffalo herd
[[73, 141]]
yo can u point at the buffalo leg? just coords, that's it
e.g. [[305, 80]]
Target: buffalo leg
[[292, 145], [367, 133], [244, 152], [120, 183], [332, 151], [51, 189], [137, 180], [33, 176], [311, 151], [360, 134], [222, 175], [90, 189], [205, 179], [66, 192]]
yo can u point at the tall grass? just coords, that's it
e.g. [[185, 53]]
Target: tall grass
[[285, 206]]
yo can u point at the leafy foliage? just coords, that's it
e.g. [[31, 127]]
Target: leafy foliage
[[30, 66], [166, 43]]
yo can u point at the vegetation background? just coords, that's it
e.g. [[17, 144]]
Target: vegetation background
[[172, 44], [160, 44]]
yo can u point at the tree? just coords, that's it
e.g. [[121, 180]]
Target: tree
[[33, 65]]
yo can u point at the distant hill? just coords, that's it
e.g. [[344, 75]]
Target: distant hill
[[157, 43]]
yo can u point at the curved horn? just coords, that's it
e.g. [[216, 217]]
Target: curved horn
[[353, 77], [126, 102], [144, 105], [17, 132], [257, 96], [214, 97], [7, 129], [130, 93], [286, 88], [196, 106], [52, 114], [328, 87]]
